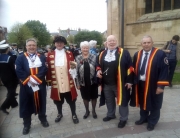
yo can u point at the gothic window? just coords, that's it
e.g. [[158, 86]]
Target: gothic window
[[157, 5], [167, 5], [161, 5], [176, 4]]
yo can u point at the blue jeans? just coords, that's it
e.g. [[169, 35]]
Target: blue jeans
[[172, 67]]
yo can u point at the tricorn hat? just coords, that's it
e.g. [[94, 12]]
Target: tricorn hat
[[60, 39]]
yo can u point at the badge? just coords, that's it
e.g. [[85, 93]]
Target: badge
[[51, 56], [166, 61]]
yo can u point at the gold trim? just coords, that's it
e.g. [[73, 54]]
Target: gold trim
[[52, 61], [55, 86], [53, 76], [53, 72], [54, 82], [71, 81], [52, 66], [51, 56], [71, 86]]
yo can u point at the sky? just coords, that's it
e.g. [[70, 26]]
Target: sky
[[63, 14]]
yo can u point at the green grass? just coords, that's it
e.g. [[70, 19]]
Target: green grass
[[176, 77]]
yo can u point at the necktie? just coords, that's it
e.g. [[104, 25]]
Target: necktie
[[142, 71]]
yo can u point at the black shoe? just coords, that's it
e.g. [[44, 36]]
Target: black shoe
[[108, 118], [45, 124], [75, 119], [58, 118], [94, 115], [26, 130], [4, 111], [150, 127], [140, 122], [16, 94], [122, 124], [86, 115]]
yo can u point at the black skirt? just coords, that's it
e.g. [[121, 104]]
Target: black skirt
[[88, 91]]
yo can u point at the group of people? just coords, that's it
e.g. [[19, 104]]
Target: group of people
[[139, 82]]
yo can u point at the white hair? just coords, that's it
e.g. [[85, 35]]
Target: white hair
[[92, 43], [84, 43], [48, 47]]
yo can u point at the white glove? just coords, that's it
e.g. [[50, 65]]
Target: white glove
[[73, 73]]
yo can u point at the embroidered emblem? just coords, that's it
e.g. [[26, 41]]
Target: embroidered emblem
[[51, 56], [166, 61]]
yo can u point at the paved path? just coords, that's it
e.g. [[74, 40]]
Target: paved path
[[168, 127]]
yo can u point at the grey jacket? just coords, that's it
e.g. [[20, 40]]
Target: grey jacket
[[166, 46], [80, 68]]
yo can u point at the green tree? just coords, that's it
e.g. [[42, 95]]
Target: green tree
[[39, 31], [87, 36], [19, 33], [70, 39]]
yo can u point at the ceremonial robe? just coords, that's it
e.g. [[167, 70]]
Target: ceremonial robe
[[51, 75], [124, 75], [156, 76], [28, 103]]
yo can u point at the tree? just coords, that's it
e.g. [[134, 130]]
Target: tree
[[39, 31], [19, 33], [70, 39], [87, 36]]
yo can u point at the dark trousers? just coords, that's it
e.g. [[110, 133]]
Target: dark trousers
[[172, 67], [152, 116], [27, 120], [10, 99], [69, 100]]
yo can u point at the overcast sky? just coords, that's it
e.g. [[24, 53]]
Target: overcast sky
[[85, 14]]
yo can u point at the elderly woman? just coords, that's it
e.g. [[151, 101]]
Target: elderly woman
[[86, 72], [93, 45]]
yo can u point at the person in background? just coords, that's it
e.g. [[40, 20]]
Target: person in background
[[114, 67], [20, 50], [151, 75], [8, 77], [31, 71], [71, 48], [58, 75], [48, 48], [172, 50], [86, 64], [104, 46], [93, 49]]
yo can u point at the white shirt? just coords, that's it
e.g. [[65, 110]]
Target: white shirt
[[143, 77], [110, 56], [59, 58]]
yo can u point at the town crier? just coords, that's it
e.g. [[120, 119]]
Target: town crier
[[63, 86]]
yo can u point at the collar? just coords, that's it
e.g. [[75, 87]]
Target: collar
[[147, 52]]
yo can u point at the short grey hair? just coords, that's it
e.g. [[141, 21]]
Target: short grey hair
[[31, 39], [147, 36], [48, 47], [84, 43], [92, 43]]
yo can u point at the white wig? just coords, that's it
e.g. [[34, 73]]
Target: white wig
[[92, 43], [84, 43]]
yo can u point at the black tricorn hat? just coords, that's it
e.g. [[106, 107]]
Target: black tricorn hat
[[59, 38]]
